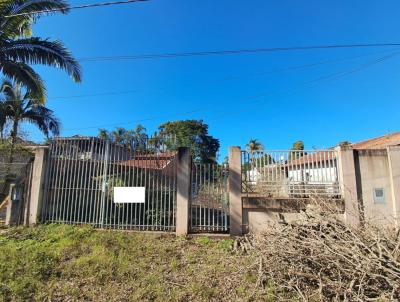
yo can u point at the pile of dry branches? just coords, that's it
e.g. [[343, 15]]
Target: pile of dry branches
[[321, 258]]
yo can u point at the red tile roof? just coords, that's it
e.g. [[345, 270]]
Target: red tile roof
[[392, 139], [156, 161]]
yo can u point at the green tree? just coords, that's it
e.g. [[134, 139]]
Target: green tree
[[103, 134], [118, 136], [192, 134], [18, 106], [297, 150], [19, 50], [254, 145]]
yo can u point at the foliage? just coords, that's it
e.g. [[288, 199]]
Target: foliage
[[192, 134], [254, 145], [18, 106], [19, 50], [135, 139], [70, 263], [297, 150]]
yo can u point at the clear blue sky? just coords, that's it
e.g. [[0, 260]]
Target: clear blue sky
[[220, 89]]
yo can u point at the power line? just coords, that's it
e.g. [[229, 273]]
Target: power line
[[227, 78], [232, 52], [332, 76], [45, 11], [254, 98]]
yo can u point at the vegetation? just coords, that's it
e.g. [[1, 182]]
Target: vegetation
[[192, 134], [132, 139], [254, 145], [170, 136], [297, 148], [19, 49], [18, 107], [321, 258], [69, 263]]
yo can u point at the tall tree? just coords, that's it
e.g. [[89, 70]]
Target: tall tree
[[18, 106], [18, 49], [119, 136], [192, 134], [297, 150], [254, 145], [103, 134]]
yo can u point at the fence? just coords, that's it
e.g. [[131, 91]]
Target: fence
[[291, 174], [15, 182], [83, 172], [209, 204]]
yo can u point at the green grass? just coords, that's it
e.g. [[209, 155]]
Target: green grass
[[69, 263]]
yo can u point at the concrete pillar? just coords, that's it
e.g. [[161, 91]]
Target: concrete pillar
[[348, 180], [394, 173], [235, 192], [36, 194], [12, 208], [183, 188]]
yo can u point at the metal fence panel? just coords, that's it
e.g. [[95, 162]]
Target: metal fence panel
[[209, 209], [291, 173], [83, 172]]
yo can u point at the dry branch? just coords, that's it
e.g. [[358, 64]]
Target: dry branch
[[320, 256]]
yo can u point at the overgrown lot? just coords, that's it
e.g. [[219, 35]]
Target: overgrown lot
[[67, 263]]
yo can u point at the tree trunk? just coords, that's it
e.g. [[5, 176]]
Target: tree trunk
[[14, 134]]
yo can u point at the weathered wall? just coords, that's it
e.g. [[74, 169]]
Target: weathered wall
[[373, 173]]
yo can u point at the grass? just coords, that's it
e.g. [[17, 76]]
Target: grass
[[70, 263]]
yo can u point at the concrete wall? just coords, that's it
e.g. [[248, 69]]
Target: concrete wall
[[375, 172], [361, 172]]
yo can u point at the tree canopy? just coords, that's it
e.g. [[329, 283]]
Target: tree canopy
[[193, 134]]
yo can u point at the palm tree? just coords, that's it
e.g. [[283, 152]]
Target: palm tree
[[18, 107], [18, 49], [254, 145], [119, 136], [103, 134]]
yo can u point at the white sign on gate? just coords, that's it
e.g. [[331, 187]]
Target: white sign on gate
[[129, 194]]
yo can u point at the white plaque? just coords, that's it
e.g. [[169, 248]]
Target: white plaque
[[129, 194]]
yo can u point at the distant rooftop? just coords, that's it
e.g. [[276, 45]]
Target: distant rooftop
[[392, 139]]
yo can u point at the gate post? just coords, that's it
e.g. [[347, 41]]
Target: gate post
[[183, 191], [36, 194], [348, 180], [235, 192]]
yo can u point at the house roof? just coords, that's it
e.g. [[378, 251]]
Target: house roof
[[157, 161], [381, 142]]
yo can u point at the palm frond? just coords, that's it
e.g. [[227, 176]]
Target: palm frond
[[45, 52], [13, 26], [23, 74], [43, 118]]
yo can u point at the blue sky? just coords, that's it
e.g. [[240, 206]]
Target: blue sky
[[265, 96]]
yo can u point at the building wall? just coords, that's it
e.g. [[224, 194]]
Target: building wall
[[373, 172], [373, 169]]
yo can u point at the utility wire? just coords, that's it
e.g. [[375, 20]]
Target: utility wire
[[227, 78], [232, 52], [45, 11], [315, 82], [254, 99]]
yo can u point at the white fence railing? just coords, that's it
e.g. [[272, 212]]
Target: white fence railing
[[291, 174]]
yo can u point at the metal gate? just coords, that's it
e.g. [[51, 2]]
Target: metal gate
[[82, 173], [209, 204]]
